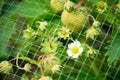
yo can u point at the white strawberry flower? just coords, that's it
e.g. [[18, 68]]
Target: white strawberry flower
[[74, 49]]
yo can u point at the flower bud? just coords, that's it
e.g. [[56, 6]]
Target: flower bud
[[27, 67], [63, 33], [102, 6], [28, 33], [92, 32], [56, 68], [50, 46], [5, 67], [96, 23], [91, 52], [51, 64]]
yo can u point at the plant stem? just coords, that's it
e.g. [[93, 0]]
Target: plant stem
[[88, 21], [80, 3], [12, 60], [29, 60], [40, 57], [94, 68], [41, 70], [25, 58], [17, 61], [89, 15]]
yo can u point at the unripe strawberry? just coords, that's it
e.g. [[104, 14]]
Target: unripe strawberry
[[74, 20], [57, 5]]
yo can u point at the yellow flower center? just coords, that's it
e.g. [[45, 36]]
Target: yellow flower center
[[102, 7], [64, 33], [75, 50]]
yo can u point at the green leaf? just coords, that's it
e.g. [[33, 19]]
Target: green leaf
[[1, 6], [8, 25], [33, 8], [113, 52], [9, 22], [9, 6], [7, 28], [112, 2], [24, 77]]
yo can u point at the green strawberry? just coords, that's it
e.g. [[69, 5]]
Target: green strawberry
[[74, 20], [57, 5]]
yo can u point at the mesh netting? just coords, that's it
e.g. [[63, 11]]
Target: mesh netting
[[59, 39]]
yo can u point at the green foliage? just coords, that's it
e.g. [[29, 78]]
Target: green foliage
[[113, 52], [9, 24], [33, 9], [46, 41], [24, 77], [7, 29], [1, 6], [8, 6], [112, 2]]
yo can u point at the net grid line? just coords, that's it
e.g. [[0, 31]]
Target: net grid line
[[69, 75]]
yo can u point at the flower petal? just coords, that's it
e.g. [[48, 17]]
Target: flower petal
[[70, 45], [77, 43], [81, 50], [69, 53], [75, 56]]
